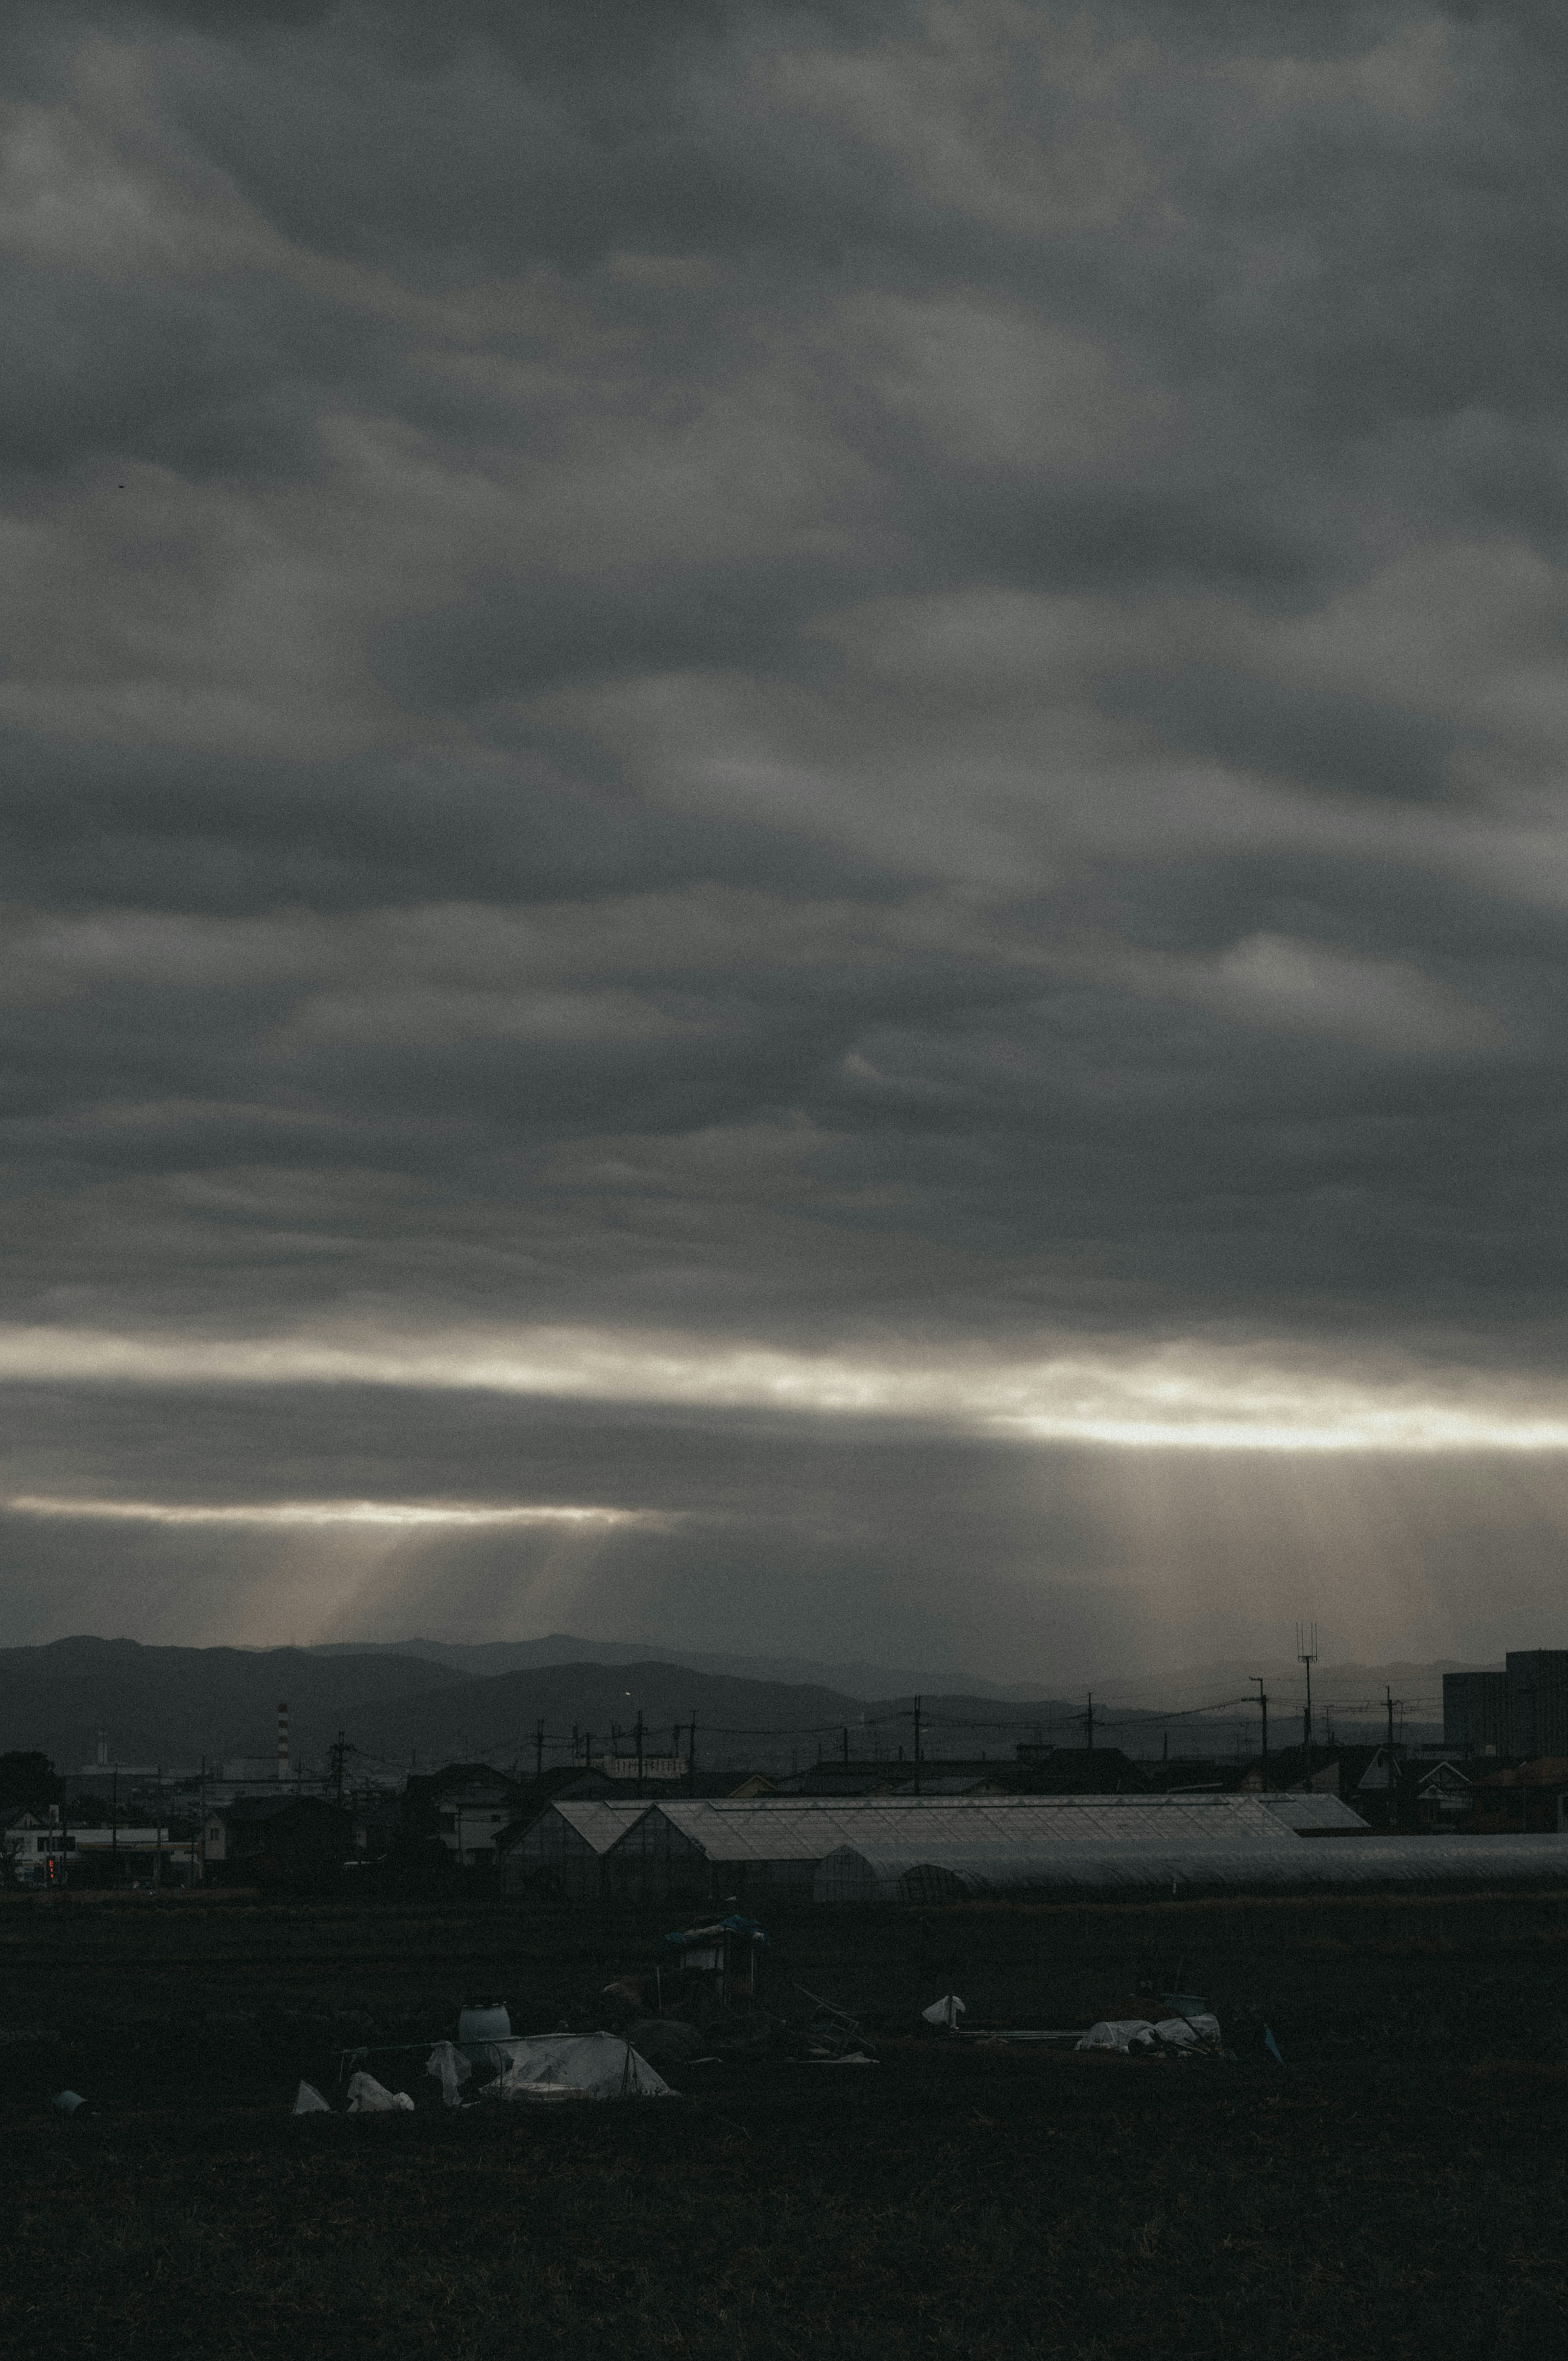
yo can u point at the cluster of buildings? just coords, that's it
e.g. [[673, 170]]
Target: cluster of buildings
[[1522, 1711], [632, 1826]]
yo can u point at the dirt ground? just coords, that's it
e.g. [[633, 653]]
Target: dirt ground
[[1397, 2187]]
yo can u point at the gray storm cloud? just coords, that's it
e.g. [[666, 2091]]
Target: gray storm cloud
[[829, 705]]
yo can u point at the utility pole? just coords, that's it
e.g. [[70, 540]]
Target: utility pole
[[691, 1759], [1263, 1703], [539, 1751], [1088, 1719], [640, 1750], [1306, 1655], [587, 1749], [115, 1813], [917, 1746], [1389, 1695]]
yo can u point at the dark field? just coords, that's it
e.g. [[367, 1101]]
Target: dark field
[[1397, 2188]]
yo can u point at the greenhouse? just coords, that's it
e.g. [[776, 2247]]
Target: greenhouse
[[791, 1827], [775, 1844], [567, 1844], [1092, 1871]]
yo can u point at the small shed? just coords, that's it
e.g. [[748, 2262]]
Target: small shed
[[724, 1958]]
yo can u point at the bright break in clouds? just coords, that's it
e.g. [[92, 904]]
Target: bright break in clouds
[[795, 774]]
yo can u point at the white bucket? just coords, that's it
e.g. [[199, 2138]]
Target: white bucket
[[479, 2026]]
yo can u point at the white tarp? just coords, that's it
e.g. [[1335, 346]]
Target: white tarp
[[1125, 2032], [368, 2097], [451, 2069], [946, 2011], [308, 2101], [575, 2065]]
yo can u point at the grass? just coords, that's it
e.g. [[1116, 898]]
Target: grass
[[1398, 2189]]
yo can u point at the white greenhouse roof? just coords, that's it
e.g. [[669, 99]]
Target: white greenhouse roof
[[797, 1828], [1310, 1813], [599, 1825]]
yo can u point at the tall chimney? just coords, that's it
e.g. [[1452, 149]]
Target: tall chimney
[[103, 1746], [282, 1740]]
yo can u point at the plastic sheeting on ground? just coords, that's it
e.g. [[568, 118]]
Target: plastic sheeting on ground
[[368, 2097], [1128, 2033], [946, 2011], [451, 2069], [308, 2101], [574, 2065]]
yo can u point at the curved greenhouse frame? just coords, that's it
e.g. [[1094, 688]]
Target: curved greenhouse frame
[[1090, 1872]]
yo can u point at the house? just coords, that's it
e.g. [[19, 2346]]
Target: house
[[1072, 1771], [276, 1838], [962, 1783], [1435, 1797], [1530, 1800], [31, 1842], [668, 1769], [833, 1779], [466, 1805], [1377, 1788]]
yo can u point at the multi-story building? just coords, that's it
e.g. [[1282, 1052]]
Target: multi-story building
[[1538, 1702], [1475, 1713]]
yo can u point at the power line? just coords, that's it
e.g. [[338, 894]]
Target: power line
[[1141, 1718]]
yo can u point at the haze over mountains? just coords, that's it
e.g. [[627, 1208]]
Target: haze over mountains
[[857, 1678], [433, 1702]]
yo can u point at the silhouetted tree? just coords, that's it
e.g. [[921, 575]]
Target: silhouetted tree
[[28, 1781]]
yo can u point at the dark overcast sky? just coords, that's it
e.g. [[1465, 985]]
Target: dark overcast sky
[[794, 774]]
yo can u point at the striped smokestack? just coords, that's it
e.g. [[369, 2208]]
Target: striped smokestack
[[282, 1740]]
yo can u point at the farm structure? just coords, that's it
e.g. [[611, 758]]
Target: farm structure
[[566, 1847], [773, 1846], [926, 1874]]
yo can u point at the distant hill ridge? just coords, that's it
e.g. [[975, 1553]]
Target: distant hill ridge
[[439, 1700], [857, 1678], [176, 1705]]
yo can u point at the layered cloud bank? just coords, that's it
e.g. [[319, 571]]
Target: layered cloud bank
[[1173, 1399], [806, 724]]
